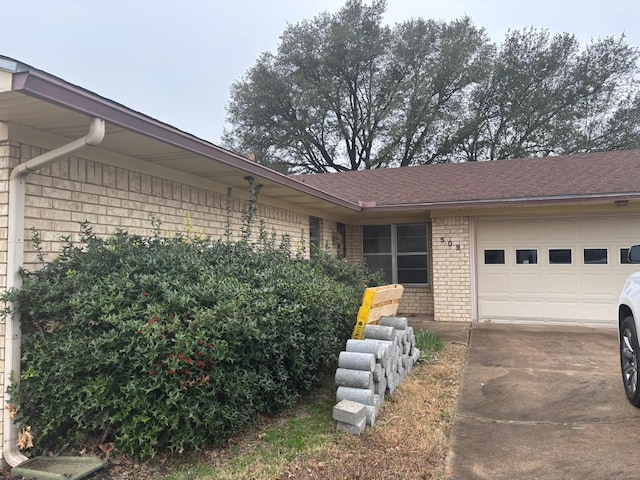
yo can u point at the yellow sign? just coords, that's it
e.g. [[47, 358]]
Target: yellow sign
[[377, 302]]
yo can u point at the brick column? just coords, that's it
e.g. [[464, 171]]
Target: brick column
[[451, 269]]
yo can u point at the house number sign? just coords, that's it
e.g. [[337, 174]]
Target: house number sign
[[449, 243]]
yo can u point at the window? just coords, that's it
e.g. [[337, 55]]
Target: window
[[559, 256], [400, 251], [494, 257], [624, 256], [593, 256], [528, 256], [315, 227]]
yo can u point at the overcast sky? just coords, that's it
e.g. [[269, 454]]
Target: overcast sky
[[175, 60]]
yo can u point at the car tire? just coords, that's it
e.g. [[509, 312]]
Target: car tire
[[629, 354]]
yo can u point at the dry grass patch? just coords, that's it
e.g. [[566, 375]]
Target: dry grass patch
[[410, 437]]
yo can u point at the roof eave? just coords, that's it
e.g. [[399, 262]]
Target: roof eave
[[503, 202], [53, 90]]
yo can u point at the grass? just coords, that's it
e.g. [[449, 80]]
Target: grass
[[429, 343], [266, 449]]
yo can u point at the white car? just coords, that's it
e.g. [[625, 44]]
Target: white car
[[628, 326]]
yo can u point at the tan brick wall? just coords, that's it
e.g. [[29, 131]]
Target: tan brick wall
[[451, 269], [354, 243], [417, 302], [73, 190]]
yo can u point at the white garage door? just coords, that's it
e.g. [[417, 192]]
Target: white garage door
[[553, 270]]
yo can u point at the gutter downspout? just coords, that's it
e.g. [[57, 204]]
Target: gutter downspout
[[15, 260]]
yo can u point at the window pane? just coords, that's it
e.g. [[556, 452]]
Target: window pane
[[560, 256], [412, 237], [526, 256], [412, 261], [595, 256], [624, 256], [380, 262], [494, 257], [376, 239], [314, 236], [412, 269], [409, 276]]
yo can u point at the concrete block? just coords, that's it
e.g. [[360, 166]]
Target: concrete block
[[361, 346], [345, 377], [353, 429], [349, 412], [360, 395], [399, 323], [371, 415], [380, 387], [379, 332], [357, 361], [378, 372]]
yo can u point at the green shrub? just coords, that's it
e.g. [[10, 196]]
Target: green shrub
[[162, 343]]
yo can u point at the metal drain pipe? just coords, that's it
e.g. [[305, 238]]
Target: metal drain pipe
[[15, 260]]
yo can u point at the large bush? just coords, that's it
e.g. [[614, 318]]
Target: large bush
[[172, 343]]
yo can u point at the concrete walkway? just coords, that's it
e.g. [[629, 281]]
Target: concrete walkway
[[543, 402]]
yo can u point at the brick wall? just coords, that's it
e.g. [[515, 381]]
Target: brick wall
[[73, 190], [417, 302], [451, 269]]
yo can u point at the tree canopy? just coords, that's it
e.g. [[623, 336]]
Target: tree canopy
[[344, 91]]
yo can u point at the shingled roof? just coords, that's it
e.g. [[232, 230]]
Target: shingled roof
[[604, 175]]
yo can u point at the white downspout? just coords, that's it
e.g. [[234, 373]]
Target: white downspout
[[15, 260]]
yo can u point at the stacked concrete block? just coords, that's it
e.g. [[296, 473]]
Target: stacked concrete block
[[351, 417], [370, 368]]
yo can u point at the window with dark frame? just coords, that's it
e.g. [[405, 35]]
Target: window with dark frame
[[315, 231], [595, 256], [494, 257], [624, 256], [527, 256], [559, 256], [399, 251]]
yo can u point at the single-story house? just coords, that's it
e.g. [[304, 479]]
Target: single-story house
[[534, 240]]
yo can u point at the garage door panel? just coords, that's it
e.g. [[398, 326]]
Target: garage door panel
[[528, 309], [596, 229], [526, 231], [599, 285], [496, 283], [565, 310], [626, 229], [561, 284], [572, 293], [561, 230], [598, 313], [526, 284], [493, 230], [498, 308]]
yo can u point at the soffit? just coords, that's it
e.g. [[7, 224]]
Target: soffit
[[198, 159]]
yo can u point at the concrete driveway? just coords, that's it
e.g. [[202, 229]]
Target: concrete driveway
[[543, 402]]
